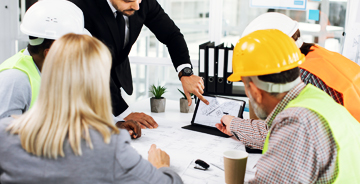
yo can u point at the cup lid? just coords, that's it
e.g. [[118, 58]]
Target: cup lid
[[235, 154]]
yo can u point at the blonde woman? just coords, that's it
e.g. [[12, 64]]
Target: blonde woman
[[68, 136]]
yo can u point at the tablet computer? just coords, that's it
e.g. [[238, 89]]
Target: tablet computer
[[206, 116]]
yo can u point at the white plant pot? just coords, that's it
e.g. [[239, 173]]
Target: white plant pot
[[157, 105], [184, 108]]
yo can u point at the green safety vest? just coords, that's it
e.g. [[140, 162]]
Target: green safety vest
[[344, 127], [25, 64]]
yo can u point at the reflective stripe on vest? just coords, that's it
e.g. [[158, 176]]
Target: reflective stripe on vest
[[25, 64], [337, 72], [344, 128]]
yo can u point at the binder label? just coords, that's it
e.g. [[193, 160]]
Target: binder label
[[202, 60], [211, 62], [221, 63], [230, 56]]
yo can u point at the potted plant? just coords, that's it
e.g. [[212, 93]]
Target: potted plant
[[184, 103], [157, 103]]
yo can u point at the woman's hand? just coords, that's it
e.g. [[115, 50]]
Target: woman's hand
[[158, 158]]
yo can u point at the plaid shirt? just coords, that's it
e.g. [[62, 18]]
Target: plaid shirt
[[301, 148], [309, 78]]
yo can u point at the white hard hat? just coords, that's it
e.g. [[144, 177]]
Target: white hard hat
[[274, 20], [52, 19]]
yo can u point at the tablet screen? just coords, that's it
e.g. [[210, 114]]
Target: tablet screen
[[211, 114]]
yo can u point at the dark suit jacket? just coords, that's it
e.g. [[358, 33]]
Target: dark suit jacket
[[100, 21]]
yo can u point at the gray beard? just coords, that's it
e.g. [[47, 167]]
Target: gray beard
[[260, 113]]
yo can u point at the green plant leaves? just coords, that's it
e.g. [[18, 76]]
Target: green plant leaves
[[157, 91], [184, 93]]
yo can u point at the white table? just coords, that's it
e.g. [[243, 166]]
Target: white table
[[185, 146]]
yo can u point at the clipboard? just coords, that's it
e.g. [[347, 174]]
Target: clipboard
[[206, 116]]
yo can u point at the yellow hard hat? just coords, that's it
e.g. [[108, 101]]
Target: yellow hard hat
[[264, 52]]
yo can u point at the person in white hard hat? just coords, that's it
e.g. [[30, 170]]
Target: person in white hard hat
[[44, 22], [327, 70]]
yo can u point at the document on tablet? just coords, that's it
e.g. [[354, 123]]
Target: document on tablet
[[211, 114], [206, 116]]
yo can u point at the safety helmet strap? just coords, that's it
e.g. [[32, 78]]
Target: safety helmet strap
[[36, 41], [273, 87]]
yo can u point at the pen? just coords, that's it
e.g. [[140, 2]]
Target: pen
[[235, 135], [231, 131], [133, 133]]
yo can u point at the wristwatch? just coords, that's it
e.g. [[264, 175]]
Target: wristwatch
[[185, 72]]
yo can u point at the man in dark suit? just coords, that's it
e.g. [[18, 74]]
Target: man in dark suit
[[118, 23]]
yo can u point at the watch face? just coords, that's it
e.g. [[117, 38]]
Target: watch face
[[187, 70]]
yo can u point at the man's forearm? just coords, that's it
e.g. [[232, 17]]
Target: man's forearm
[[252, 133]]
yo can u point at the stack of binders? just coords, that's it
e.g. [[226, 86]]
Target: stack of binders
[[215, 66]]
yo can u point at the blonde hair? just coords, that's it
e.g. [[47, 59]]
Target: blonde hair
[[74, 96]]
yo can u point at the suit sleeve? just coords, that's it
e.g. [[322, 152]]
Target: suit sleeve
[[166, 32], [118, 103]]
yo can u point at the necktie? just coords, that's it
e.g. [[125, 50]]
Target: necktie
[[121, 25]]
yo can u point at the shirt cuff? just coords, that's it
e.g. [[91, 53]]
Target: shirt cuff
[[180, 67], [124, 114], [251, 132], [117, 119]]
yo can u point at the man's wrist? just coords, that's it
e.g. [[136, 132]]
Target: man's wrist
[[124, 114], [182, 66], [119, 124], [187, 71]]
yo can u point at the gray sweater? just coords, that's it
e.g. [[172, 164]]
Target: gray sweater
[[15, 93], [116, 162]]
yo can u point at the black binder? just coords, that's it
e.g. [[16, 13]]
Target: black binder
[[220, 69], [203, 61], [211, 85], [228, 68]]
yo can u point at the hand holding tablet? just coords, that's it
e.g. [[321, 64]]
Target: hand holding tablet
[[206, 117]]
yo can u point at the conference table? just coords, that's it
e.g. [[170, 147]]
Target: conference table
[[185, 146]]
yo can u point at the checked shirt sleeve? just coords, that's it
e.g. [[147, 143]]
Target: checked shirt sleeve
[[251, 132]]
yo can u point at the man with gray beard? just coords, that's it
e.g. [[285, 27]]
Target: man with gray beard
[[306, 137]]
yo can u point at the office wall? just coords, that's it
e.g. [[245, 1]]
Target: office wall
[[9, 21]]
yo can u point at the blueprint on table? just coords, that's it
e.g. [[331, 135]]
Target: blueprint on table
[[185, 146]]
